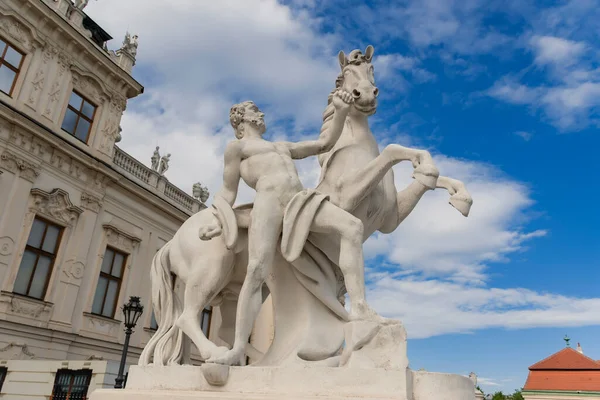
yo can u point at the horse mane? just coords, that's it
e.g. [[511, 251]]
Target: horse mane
[[327, 117]]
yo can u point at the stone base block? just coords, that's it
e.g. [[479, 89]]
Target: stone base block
[[293, 383]]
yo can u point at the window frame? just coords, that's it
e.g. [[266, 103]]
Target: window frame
[[79, 115], [110, 277], [3, 374], [4, 63], [39, 252], [72, 374]]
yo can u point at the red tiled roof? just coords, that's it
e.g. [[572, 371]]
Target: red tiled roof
[[566, 370], [588, 381], [566, 359]]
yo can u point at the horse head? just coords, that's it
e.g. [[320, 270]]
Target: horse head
[[357, 78]]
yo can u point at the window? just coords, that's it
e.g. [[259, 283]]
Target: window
[[71, 384], [153, 323], [38, 259], [79, 117], [10, 65], [3, 373], [109, 283], [205, 319]]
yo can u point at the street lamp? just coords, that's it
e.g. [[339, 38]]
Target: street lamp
[[132, 311]]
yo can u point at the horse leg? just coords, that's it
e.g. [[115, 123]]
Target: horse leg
[[460, 198], [352, 188], [200, 289]]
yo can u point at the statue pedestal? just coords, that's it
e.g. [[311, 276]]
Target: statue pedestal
[[290, 382]]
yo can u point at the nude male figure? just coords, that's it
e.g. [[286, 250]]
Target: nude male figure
[[269, 168]]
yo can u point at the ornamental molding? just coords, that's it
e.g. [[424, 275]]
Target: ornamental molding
[[120, 239], [91, 202], [19, 31], [55, 205], [14, 163]]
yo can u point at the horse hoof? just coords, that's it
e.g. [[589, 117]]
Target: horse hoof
[[463, 205], [218, 352]]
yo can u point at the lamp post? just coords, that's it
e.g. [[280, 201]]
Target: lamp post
[[132, 311]]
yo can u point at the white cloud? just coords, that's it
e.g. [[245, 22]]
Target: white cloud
[[205, 57], [487, 382], [556, 50], [437, 241], [437, 263], [526, 136], [434, 307], [569, 95]]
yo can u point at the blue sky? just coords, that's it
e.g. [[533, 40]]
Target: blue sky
[[505, 94]]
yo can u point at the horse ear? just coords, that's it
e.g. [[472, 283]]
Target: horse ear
[[369, 53], [342, 59]]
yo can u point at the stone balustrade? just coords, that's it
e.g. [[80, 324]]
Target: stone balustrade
[[151, 179]]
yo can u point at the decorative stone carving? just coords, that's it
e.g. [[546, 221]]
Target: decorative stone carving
[[17, 31], [13, 163], [64, 62], [24, 350], [88, 86], [90, 202], [100, 182], [130, 44], [68, 165], [155, 159], [37, 84], [80, 4], [7, 244], [55, 205], [164, 164], [27, 142], [101, 325], [317, 342], [110, 129], [26, 308], [73, 268], [120, 239], [200, 192]]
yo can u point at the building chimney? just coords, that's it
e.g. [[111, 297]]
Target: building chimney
[[579, 349]]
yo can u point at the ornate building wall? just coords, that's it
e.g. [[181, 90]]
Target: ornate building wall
[[70, 198]]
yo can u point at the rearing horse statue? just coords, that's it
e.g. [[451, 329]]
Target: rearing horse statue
[[309, 317]]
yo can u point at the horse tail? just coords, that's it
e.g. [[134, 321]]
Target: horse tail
[[166, 345], [327, 118]]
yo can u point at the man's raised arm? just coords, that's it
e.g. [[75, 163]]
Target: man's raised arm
[[231, 173], [330, 131]]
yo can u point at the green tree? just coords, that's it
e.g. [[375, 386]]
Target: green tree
[[498, 396], [517, 395]]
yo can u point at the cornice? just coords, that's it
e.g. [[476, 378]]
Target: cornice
[[43, 145], [50, 25]]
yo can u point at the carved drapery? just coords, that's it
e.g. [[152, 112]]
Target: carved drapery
[[55, 205], [13, 163]]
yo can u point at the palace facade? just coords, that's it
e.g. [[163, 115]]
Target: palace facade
[[80, 219]]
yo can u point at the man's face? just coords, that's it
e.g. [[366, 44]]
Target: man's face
[[256, 117]]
